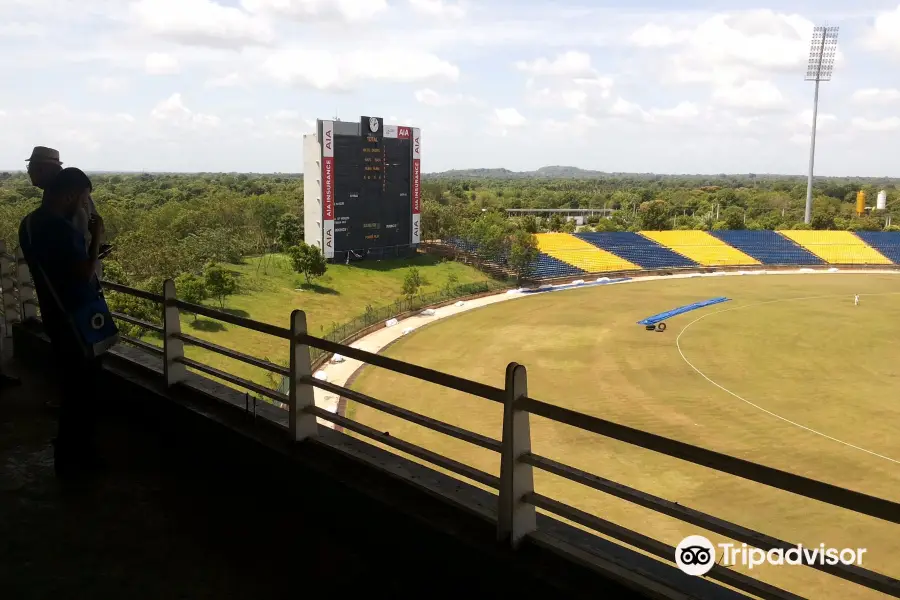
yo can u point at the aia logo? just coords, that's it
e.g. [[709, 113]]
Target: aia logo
[[328, 139], [416, 229], [416, 149], [328, 236], [404, 133]]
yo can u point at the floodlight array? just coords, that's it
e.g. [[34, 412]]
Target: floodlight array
[[822, 51]]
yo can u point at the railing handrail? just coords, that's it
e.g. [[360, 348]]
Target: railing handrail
[[516, 402], [803, 486]]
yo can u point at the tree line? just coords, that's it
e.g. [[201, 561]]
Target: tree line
[[188, 226]]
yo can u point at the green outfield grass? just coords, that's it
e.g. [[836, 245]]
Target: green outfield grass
[[819, 362], [270, 290]]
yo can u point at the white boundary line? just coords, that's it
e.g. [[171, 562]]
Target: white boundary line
[[756, 406]]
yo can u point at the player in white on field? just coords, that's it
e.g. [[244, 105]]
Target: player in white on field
[[856, 300]]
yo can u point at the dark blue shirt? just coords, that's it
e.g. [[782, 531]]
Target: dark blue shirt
[[54, 249]]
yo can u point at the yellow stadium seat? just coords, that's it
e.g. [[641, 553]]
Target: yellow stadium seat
[[838, 247], [581, 254], [701, 247]]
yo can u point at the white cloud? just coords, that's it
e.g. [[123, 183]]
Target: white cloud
[[730, 48], [158, 63], [509, 117], [288, 124], [568, 64], [329, 71], [438, 8], [753, 95], [624, 108], [572, 99], [21, 30], [202, 23], [107, 85], [230, 80], [430, 97], [683, 111], [886, 124], [805, 118], [883, 36], [173, 111], [876, 96], [656, 36], [284, 115], [305, 10]]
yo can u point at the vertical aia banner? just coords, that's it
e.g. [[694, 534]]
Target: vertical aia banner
[[328, 187], [416, 184]]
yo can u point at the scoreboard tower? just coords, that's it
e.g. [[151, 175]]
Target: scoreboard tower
[[362, 189]]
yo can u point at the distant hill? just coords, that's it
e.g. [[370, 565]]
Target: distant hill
[[555, 172]]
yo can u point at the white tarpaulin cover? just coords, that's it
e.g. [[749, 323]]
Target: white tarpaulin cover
[[391, 322]]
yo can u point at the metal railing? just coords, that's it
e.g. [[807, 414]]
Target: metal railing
[[344, 331], [517, 500]]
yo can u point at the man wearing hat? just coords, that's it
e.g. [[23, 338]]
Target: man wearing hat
[[43, 166]]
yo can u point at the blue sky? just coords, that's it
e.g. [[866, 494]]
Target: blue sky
[[232, 85]]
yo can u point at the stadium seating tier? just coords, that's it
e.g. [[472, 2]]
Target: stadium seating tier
[[701, 247], [838, 247], [582, 255], [885, 242], [637, 249], [768, 247], [572, 255]]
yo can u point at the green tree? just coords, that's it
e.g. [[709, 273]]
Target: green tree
[[452, 283], [733, 216], [289, 231], [412, 283], [308, 260], [488, 233], [191, 288], [219, 282], [556, 222], [523, 254], [655, 215], [530, 224]]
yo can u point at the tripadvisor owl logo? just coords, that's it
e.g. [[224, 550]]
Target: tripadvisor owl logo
[[695, 555]]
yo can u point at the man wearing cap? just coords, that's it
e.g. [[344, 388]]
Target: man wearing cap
[[43, 166]]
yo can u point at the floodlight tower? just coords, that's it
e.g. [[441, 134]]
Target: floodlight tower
[[822, 50]]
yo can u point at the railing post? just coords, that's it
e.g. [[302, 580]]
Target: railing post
[[173, 348], [301, 395], [27, 299], [515, 517]]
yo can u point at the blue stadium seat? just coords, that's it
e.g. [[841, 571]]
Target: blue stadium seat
[[886, 242], [548, 267], [637, 249], [768, 247]]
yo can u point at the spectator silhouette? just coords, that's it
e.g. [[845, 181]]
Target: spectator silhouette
[[63, 267]]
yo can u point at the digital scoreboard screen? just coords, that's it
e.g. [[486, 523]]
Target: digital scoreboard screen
[[372, 203]]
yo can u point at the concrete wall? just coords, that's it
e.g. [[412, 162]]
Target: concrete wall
[[398, 517]]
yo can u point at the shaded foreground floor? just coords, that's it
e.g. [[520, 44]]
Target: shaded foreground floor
[[139, 530], [159, 524]]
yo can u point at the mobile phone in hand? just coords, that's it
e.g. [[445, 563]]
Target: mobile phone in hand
[[105, 249]]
